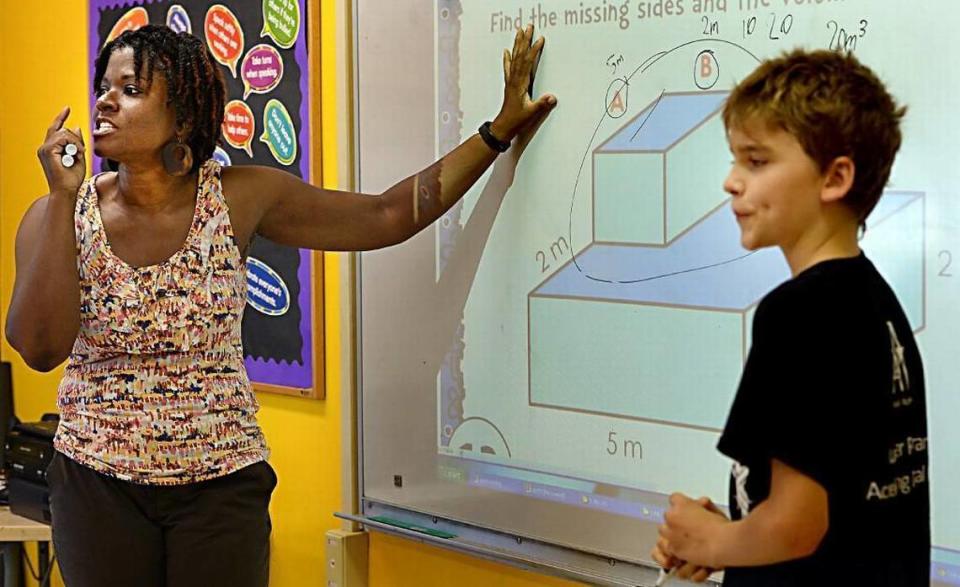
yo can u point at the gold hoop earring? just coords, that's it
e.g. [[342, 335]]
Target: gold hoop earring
[[177, 157]]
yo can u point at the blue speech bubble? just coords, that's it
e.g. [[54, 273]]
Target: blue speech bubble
[[266, 291], [179, 20], [222, 157], [279, 133]]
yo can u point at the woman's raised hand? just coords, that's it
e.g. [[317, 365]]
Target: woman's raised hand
[[519, 110], [61, 178]]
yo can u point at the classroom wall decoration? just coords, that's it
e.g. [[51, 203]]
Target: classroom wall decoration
[[262, 48]]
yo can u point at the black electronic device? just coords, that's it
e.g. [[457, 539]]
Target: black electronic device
[[6, 406], [29, 451], [29, 499]]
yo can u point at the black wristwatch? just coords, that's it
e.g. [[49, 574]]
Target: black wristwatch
[[492, 141]]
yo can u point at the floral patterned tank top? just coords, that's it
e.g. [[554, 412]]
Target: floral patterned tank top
[[156, 391]]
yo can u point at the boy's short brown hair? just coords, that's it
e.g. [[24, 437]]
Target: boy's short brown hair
[[834, 106]]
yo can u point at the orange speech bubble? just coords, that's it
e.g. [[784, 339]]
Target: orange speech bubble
[[238, 125], [131, 21], [224, 36]]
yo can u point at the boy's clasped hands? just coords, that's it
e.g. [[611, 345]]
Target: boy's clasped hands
[[686, 540]]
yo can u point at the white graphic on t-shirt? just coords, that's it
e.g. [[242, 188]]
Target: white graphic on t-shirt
[[740, 475], [901, 378]]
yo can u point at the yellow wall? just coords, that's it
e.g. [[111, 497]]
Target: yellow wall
[[396, 562], [43, 59], [42, 47]]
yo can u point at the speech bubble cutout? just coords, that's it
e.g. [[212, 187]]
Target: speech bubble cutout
[[224, 36], [179, 20], [222, 157], [239, 126], [131, 21], [278, 132], [261, 70], [266, 291], [281, 21]]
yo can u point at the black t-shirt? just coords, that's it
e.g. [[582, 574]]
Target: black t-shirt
[[833, 387]]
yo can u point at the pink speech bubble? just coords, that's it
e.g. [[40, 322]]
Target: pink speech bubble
[[261, 70], [131, 21], [224, 36], [238, 125]]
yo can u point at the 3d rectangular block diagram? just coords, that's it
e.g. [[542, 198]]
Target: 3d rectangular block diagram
[[647, 188]]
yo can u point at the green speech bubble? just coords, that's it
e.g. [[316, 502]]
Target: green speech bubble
[[281, 21], [279, 133]]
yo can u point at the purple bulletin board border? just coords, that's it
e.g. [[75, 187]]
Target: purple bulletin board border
[[267, 372]]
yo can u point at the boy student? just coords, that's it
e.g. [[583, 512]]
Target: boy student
[[828, 429]]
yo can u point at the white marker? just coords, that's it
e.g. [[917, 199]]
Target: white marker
[[665, 576]]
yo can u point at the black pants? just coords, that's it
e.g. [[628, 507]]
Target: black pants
[[111, 533]]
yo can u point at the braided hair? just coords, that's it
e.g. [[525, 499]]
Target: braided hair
[[195, 85]]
